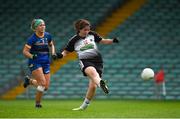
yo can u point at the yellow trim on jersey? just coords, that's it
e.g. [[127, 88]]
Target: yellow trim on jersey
[[28, 46]]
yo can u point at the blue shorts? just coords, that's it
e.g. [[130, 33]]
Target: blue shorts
[[45, 67]]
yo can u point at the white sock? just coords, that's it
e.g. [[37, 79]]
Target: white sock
[[85, 104]]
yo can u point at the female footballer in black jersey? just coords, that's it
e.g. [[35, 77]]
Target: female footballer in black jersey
[[90, 60]]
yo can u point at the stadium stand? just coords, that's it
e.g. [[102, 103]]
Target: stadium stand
[[149, 38], [59, 16]]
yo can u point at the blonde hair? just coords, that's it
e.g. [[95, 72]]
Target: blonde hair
[[35, 23]]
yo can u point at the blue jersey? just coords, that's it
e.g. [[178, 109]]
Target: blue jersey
[[40, 47]]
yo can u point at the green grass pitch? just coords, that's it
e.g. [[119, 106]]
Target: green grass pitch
[[97, 109]]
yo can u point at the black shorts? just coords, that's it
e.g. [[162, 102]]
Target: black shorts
[[96, 64]]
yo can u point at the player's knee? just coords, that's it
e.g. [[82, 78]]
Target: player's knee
[[41, 88], [93, 86], [43, 83]]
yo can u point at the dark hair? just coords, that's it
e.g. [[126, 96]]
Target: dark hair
[[80, 24]]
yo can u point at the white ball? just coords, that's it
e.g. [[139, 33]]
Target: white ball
[[147, 74]]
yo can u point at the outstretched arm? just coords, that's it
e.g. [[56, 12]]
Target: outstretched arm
[[65, 52], [109, 41], [62, 54]]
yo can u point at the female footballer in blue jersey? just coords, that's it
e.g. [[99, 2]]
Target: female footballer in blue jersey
[[90, 59], [37, 51]]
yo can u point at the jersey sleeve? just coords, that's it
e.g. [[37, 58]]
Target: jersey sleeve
[[49, 37], [70, 45], [30, 42], [97, 37]]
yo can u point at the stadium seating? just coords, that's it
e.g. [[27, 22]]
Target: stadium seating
[[148, 38], [59, 16]]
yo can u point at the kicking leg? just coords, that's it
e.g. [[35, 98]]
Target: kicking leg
[[94, 76], [89, 96], [94, 81]]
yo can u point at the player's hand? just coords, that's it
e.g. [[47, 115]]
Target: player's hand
[[34, 56], [59, 55], [115, 40], [54, 57]]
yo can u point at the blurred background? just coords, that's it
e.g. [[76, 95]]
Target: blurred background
[[149, 33]]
